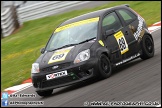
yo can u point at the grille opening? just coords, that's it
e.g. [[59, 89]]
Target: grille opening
[[58, 81], [60, 66]]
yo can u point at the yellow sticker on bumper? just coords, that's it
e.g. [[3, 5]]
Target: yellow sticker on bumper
[[77, 24], [121, 42], [59, 55]]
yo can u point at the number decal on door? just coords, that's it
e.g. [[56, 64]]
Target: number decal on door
[[121, 42]]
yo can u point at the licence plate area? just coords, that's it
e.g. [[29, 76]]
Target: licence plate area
[[56, 75]]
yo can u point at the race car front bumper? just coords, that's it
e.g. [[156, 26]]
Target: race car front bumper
[[75, 73]]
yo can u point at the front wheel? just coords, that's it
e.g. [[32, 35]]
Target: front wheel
[[105, 67], [45, 93], [147, 46]]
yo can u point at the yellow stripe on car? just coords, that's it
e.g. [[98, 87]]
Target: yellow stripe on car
[[77, 24]]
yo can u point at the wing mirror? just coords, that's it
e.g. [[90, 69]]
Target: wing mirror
[[109, 32], [42, 50]]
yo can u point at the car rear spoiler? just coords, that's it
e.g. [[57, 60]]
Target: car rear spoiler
[[126, 5]]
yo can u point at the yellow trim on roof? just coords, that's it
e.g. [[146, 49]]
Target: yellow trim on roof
[[77, 24]]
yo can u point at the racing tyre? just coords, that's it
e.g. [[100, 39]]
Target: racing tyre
[[45, 93], [105, 67], [147, 45]]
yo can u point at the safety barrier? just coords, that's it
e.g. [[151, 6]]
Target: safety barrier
[[11, 18], [9, 21], [45, 8]]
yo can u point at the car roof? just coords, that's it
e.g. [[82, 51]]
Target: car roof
[[91, 14]]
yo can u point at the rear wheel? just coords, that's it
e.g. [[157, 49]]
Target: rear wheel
[[105, 67], [147, 45], [45, 93]]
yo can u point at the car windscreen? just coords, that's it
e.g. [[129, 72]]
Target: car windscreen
[[73, 33]]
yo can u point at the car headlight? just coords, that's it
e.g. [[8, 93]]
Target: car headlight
[[82, 56], [35, 68]]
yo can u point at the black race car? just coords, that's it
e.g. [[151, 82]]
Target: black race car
[[91, 45]]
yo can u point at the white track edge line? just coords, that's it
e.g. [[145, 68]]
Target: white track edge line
[[155, 30], [23, 88], [20, 89]]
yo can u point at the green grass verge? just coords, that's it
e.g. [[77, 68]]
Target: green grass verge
[[21, 49]]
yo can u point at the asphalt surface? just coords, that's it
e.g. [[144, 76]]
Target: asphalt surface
[[139, 80]]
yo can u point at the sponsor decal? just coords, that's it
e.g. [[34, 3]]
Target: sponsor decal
[[59, 55], [77, 24], [121, 42], [101, 43], [141, 35], [132, 29], [139, 28], [128, 59], [56, 75]]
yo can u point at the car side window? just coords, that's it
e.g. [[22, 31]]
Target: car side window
[[111, 21], [127, 15]]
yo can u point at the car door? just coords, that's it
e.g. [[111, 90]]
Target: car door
[[130, 22], [116, 43]]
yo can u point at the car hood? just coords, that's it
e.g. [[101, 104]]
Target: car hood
[[64, 55]]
